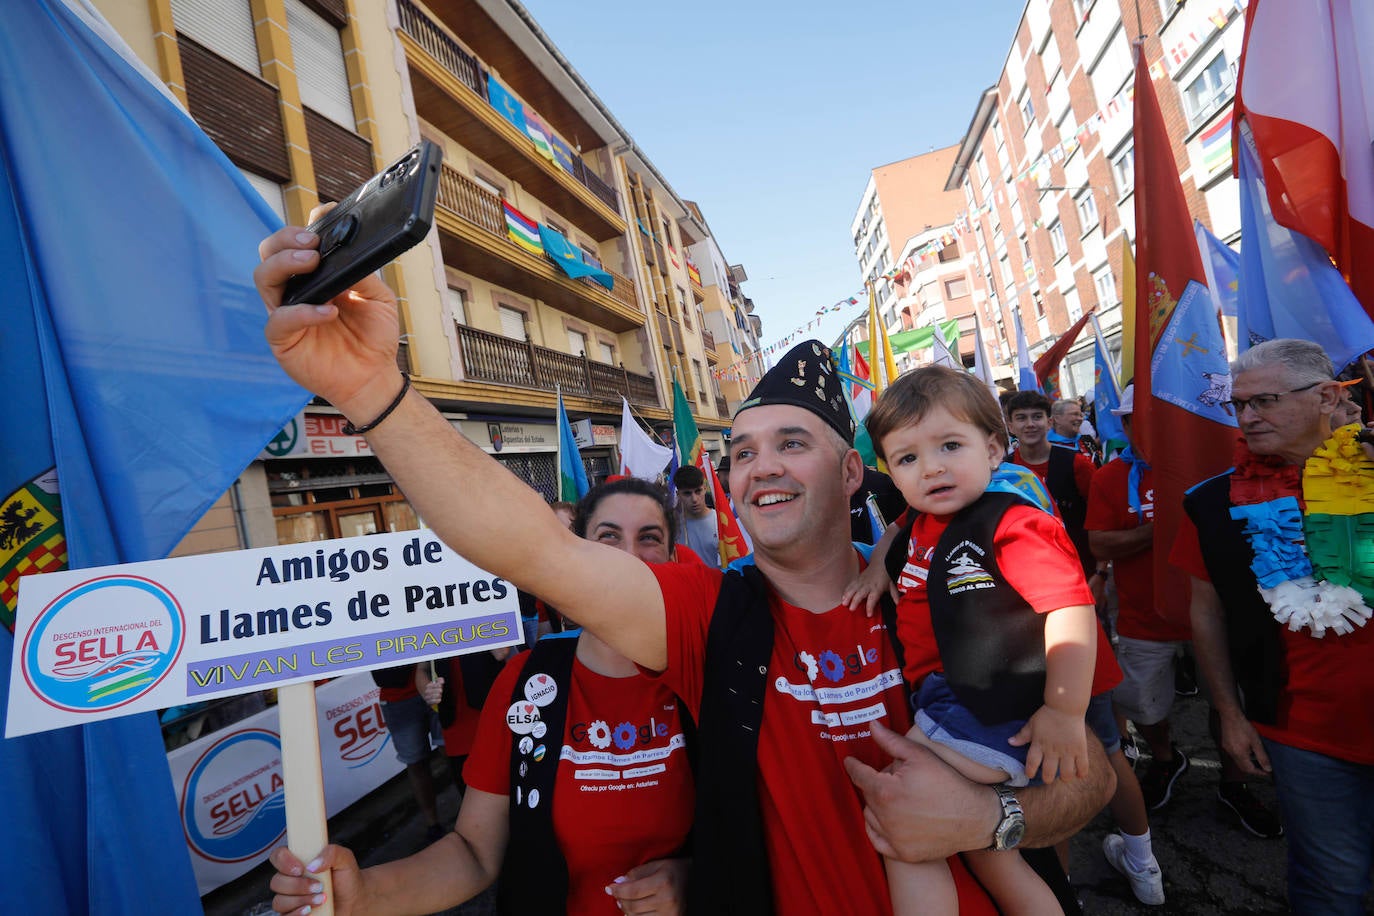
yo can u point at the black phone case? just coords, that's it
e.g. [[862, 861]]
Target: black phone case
[[389, 214]]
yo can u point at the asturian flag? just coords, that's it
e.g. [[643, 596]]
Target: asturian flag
[[138, 386], [1306, 88], [572, 473], [1288, 287]]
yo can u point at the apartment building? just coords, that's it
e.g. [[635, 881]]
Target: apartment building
[[1046, 166], [906, 247], [730, 320], [310, 97]]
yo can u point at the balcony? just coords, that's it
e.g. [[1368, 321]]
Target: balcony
[[472, 234], [450, 90], [493, 358], [722, 407], [708, 340]]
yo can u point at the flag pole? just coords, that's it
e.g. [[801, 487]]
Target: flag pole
[[1113, 371], [307, 828], [640, 417], [558, 429]]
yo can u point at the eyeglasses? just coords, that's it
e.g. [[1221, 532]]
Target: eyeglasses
[[1262, 402]]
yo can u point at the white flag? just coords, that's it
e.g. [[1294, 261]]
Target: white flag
[[980, 358], [942, 356], [640, 456]]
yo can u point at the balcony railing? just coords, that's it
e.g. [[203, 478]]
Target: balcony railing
[[708, 340], [460, 63], [722, 407], [492, 358], [463, 196]]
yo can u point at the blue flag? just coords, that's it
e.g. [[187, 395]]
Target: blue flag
[[569, 259], [1189, 368], [138, 387], [1110, 431], [1025, 374], [1222, 266], [1288, 286], [572, 473], [508, 105]]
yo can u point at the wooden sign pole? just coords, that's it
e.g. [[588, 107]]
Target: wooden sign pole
[[307, 828]]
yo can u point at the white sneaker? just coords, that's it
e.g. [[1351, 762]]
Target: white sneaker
[[1147, 884]]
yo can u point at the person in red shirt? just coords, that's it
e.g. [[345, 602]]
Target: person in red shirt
[[943, 439], [623, 799], [1291, 676], [793, 468]]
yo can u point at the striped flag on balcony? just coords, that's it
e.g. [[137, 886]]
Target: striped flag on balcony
[[539, 132], [1216, 145], [522, 230]]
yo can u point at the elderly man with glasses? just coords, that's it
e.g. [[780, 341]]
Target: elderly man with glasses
[[1281, 551]]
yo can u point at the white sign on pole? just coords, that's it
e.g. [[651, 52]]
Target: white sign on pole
[[98, 643], [230, 785]]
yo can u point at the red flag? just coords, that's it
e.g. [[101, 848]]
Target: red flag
[[1047, 366], [729, 537], [1180, 428], [1301, 74]]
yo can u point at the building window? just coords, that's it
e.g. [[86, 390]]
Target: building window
[[555, 227], [1072, 305], [1008, 280], [270, 191], [512, 322], [1123, 168], [457, 304], [701, 381], [1028, 113], [956, 288], [1106, 287], [225, 28], [682, 306], [1057, 241], [577, 343], [607, 352], [1087, 212], [489, 186], [319, 60], [1212, 89]]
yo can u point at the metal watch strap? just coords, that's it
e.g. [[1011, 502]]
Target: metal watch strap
[[1011, 827]]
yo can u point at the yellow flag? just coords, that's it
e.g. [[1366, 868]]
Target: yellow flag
[[1127, 311], [882, 364]]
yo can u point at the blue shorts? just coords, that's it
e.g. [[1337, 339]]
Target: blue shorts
[[943, 720], [414, 728], [1102, 723]]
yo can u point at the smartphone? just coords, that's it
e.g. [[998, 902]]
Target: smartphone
[[389, 214]]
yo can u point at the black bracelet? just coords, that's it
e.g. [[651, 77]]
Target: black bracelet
[[350, 430]]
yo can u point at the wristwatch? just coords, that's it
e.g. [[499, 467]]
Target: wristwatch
[[1012, 827]]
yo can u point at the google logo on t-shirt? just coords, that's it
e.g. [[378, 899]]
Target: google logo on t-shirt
[[625, 735], [832, 665]]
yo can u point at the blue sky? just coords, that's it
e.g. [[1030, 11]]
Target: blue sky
[[770, 117]]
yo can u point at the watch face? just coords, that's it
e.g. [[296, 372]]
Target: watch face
[[1011, 837]]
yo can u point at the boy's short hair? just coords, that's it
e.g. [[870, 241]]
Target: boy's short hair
[[688, 477], [1028, 400], [913, 395]]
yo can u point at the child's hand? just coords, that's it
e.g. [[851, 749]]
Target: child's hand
[[868, 588], [1058, 742]]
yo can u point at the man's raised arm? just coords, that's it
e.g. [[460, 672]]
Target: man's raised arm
[[345, 352]]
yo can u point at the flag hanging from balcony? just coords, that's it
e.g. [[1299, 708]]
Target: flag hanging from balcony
[[569, 259], [505, 103], [1289, 287], [1216, 145], [1305, 89], [572, 474], [562, 153], [138, 385], [1047, 366], [640, 456], [522, 230], [1180, 424], [539, 132]]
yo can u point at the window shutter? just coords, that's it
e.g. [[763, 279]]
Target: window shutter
[[512, 323], [320, 70], [223, 26]]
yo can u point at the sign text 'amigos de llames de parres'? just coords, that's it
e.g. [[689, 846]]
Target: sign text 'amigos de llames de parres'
[[98, 643]]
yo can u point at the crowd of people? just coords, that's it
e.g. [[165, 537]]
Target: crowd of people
[[831, 725]]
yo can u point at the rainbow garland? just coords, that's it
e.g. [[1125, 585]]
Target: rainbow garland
[[1312, 533]]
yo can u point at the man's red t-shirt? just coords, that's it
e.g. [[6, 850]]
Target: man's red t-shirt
[[1083, 469], [1325, 706], [1110, 510], [623, 794], [830, 676], [461, 733], [1036, 558]]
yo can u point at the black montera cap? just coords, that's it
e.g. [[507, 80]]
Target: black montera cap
[[806, 378]]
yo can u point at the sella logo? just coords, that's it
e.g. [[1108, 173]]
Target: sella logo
[[103, 643], [362, 734], [233, 801]]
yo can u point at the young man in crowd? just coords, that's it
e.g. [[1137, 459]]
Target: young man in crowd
[[696, 522]]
